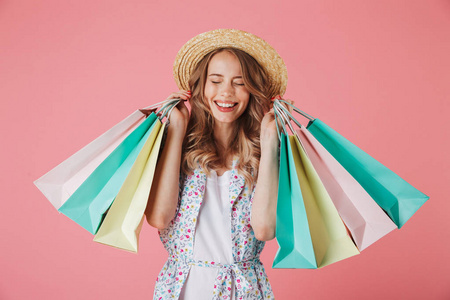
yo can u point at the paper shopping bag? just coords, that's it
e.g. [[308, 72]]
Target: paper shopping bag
[[329, 235], [366, 221], [61, 182], [91, 200], [395, 196], [122, 224], [292, 230]]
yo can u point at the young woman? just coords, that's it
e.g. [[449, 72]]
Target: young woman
[[214, 193]]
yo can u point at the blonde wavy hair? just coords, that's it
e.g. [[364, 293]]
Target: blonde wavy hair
[[200, 147]]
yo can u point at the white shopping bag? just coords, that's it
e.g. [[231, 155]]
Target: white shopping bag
[[61, 182]]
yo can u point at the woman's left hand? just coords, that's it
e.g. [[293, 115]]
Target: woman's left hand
[[269, 134], [268, 130]]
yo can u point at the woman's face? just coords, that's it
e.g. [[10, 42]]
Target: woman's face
[[224, 89]]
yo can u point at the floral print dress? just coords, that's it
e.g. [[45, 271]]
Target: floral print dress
[[247, 272]]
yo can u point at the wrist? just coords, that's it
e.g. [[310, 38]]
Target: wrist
[[269, 137], [269, 146], [176, 130]]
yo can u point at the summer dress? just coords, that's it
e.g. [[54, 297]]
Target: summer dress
[[228, 272]]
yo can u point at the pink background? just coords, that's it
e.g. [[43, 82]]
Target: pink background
[[376, 71]]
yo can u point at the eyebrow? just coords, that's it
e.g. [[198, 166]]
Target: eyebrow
[[220, 75]]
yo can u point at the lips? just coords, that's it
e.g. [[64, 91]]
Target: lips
[[225, 106]]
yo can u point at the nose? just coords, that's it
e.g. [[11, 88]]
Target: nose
[[227, 89]]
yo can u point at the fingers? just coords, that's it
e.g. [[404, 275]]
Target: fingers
[[269, 116], [182, 94], [289, 107], [278, 97], [181, 106]]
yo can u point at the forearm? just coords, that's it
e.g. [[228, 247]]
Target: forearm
[[264, 207], [163, 197]]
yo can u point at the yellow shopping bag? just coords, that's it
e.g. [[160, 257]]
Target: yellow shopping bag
[[329, 235], [123, 222]]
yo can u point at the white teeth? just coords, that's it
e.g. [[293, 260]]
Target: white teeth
[[225, 104]]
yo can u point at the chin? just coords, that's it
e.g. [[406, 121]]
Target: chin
[[225, 120], [220, 117]]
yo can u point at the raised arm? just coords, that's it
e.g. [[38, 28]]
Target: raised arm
[[163, 198], [264, 207]]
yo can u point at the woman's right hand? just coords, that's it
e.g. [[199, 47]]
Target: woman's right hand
[[179, 116], [163, 198]]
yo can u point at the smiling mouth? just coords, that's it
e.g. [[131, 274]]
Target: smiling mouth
[[225, 105]]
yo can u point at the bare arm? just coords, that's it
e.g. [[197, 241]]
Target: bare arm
[[163, 199], [264, 207]]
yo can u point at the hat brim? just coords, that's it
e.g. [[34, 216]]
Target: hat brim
[[196, 48]]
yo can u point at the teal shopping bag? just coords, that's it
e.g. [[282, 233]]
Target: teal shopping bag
[[292, 230], [89, 203], [397, 197]]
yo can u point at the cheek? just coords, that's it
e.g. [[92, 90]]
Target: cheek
[[209, 91], [209, 95], [245, 97]]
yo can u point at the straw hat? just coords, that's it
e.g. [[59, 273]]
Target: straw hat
[[197, 47]]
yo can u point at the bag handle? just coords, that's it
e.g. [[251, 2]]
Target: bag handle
[[167, 108], [281, 120], [277, 121], [296, 109], [161, 105], [163, 108], [287, 116], [156, 105]]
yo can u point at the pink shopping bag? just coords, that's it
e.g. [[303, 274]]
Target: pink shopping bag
[[366, 221]]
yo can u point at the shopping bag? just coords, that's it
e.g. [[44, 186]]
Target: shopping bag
[[61, 182], [292, 230], [366, 221], [122, 224], [395, 196], [88, 204], [329, 235]]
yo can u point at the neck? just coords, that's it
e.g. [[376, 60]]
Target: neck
[[223, 134]]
